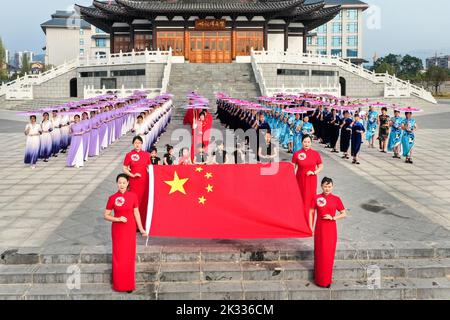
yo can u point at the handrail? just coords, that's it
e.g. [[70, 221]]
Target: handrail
[[167, 72], [133, 57], [296, 57]]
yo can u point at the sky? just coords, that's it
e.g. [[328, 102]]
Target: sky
[[415, 27]]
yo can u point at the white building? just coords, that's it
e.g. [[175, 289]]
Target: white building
[[18, 57], [342, 36], [67, 37]]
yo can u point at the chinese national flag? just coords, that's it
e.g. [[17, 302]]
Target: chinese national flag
[[251, 201]]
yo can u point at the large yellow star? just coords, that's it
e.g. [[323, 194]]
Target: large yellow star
[[202, 200], [177, 184], [209, 188]]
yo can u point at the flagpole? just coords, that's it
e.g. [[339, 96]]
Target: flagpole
[[151, 199]]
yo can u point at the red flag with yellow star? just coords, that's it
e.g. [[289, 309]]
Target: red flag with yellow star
[[251, 201]]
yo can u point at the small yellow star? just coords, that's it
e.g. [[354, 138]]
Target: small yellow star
[[209, 188], [199, 169], [177, 184], [208, 175], [202, 200]]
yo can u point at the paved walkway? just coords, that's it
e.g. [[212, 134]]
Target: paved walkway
[[387, 200]]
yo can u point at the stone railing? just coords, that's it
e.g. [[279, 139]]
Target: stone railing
[[259, 76], [333, 90], [295, 57], [133, 57], [23, 93], [167, 71], [20, 86], [36, 79], [91, 92], [270, 91]]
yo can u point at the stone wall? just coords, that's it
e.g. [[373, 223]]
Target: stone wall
[[59, 87], [152, 79], [356, 86]]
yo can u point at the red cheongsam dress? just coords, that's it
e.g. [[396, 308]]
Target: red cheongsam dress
[[123, 240], [307, 161], [325, 237], [138, 163]]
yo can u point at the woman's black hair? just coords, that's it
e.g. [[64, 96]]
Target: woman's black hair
[[153, 149], [137, 138], [139, 116], [33, 116], [327, 180], [77, 115], [123, 175], [45, 113], [182, 150], [306, 136], [384, 109], [168, 147]]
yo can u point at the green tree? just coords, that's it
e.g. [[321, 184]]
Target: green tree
[[25, 65], [410, 67], [385, 67], [392, 59], [435, 77], [3, 62]]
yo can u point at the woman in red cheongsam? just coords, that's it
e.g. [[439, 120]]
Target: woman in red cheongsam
[[325, 235], [308, 164], [135, 166], [124, 221]]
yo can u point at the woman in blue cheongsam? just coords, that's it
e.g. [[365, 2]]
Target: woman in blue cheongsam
[[409, 127], [395, 137], [372, 123]]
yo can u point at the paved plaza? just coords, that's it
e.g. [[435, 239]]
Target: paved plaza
[[54, 214], [387, 199]]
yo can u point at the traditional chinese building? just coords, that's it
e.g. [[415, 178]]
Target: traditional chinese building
[[211, 31]]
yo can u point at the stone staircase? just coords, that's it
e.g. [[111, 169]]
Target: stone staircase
[[236, 79], [234, 270]]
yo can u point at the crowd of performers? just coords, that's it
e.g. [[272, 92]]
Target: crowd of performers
[[340, 124], [296, 121], [83, 128], [330, 119]]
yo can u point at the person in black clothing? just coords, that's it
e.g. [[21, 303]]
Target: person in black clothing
[[220, 155], [154, 156], [346, 134], [267, 151], [334, 128], [201, 157], [262, 129], [326, 126], [239, 154], [169, 158]]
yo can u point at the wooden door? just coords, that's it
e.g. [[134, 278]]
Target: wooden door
[[213, 51]]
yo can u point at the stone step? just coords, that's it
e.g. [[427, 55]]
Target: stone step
[[225, 250], [226, 271], [401, 289]]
